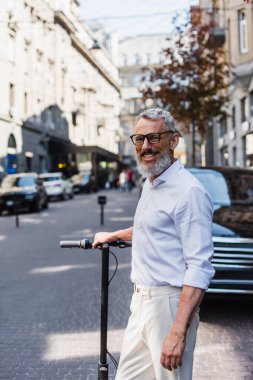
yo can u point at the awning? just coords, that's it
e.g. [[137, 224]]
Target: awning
[[99, 152], [60, 146]]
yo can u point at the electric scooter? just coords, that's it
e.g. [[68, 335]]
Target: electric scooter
[[87, 244]]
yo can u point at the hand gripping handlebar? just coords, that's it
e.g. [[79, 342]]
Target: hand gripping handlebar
[[87, 244]]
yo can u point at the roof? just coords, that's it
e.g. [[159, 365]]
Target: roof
[[23, 175], [42, 175]]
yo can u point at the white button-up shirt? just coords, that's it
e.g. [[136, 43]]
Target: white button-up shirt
[[172, 232]]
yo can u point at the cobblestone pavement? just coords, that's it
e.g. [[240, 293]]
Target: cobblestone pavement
[[50, 299]]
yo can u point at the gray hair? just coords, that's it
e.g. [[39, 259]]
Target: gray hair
[[156, 114]]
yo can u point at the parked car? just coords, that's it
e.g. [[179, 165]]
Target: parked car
[[231, 190], [57, 186], [84, 183], [22, 191]]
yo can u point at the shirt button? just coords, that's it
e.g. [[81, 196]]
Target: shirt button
[[138, 290]]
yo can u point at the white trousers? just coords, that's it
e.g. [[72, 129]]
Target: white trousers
[[153, 312]]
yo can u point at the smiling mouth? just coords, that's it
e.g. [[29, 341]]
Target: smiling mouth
[[147, 156]]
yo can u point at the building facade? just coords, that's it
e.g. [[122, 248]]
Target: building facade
[[60, 96], [233, 137]]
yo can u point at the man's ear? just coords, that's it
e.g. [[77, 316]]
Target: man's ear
[[174, 140]]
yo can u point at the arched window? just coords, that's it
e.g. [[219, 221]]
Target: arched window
[[243, 32], [11, 157], [137, 59], [12, 146]]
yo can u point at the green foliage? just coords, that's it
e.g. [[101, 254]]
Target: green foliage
[[193, 81]]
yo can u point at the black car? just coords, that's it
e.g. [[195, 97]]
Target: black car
[[231, 190], [83, 183], [22, 191]]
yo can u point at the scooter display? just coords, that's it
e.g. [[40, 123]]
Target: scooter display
[[87, 244]]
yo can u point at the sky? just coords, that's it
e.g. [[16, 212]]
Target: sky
[[133, 17]]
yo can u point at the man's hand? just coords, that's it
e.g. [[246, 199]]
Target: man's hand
[[174, 344], [108, 237], [173, 349], [103, 237]]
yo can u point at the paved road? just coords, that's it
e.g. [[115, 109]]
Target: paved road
[[50, 299]]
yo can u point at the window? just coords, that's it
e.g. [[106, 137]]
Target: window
[[32, 14], [39, 55], [243, 110], [63, 85], [161, 57], [215, 183], [125, 60], [137, 59], [25, 103], [39, 58], [27, 45], [74, 97], [224, 156], [243, 35], [100, 130], [11, 49], [234, 156], [136, 79], [223, 126], [39, 109], [74, 118], [11, 94], [233, 118], [50, 79], [251, 103], [244, 150]]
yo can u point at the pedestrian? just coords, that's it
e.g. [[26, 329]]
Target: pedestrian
[[130, 180], [111, 179], [123, 180], [171, 253]]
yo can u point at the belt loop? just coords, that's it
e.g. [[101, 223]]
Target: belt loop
[[134, 287]]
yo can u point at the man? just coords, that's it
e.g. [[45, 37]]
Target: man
[[171, 253]]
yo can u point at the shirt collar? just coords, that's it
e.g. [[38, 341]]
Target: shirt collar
[[167, 173]]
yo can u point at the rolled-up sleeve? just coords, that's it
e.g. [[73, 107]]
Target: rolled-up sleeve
[[193, 221]]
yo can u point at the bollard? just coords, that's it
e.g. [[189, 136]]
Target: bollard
[[16, 211], [102, 201], [17, 219]]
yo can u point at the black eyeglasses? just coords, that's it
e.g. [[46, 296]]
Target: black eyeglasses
[[153, 138]]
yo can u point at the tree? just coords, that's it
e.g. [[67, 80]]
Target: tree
[[193, 83]]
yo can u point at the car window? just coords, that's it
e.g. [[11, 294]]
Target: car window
[[76, 177], [50, 179], [241, 186], [80, 177], [215, 184], [18, 182], [230, 186]]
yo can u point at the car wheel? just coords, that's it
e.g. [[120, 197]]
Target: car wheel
[[45, 206], [71, 195], [36, 206]]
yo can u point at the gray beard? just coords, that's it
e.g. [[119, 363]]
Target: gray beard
[[160, 166]]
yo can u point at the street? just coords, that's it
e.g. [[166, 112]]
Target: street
[[50, 299]]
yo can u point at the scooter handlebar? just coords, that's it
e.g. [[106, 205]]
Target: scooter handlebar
[[87, 244]]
